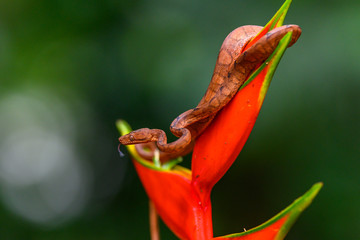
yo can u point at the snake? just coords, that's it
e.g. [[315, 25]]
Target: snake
[[234, 64]]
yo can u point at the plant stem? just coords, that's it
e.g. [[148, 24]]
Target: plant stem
[[154, 222]]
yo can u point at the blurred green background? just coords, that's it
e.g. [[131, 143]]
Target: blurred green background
[[69, 69]]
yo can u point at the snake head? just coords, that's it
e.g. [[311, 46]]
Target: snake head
[[142, 135]]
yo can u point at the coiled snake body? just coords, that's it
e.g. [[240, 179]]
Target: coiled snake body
[[232, 68]]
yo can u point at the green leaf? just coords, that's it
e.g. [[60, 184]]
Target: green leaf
[[277, 227]]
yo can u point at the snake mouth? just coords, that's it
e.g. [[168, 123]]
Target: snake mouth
[[125, 140], [133, 138]]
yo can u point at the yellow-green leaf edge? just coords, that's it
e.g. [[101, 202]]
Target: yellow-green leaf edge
[[292, 212], [124, 128]]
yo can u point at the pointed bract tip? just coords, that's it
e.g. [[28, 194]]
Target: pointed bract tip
[[280, 15], [123, 127]]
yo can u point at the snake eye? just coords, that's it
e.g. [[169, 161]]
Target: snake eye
[[131, 137]]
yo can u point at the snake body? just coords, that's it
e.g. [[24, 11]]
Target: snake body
[[233, 66]]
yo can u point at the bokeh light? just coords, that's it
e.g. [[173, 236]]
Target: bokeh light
[[44, 178]]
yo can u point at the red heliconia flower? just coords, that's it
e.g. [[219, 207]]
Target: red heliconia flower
[[170, 189], [182, 197]]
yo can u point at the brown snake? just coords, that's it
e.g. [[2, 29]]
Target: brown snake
[[232, 68]]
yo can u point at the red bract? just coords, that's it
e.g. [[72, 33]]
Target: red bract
[[220, 144], [176, 202], [171, 191], [218, 147], [182, 197]]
